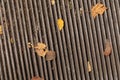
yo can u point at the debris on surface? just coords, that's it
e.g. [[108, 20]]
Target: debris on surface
[[81, 11], [30, 45], [98, 9], [40, 46], [37, 78], [50, 55], [70, 5], [108, 48], [1, 31], [52, 2], [40, 49], [89, 66], [41, 52], [12, 40], [60, 23]]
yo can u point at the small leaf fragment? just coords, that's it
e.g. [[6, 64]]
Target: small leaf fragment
[[12, 40], [81, 11], [89, 66], [37, 78], [1, 30], [98, 9], [108, 48], [41, 52], [40, 46], [70, 5], [30, 45], [50, 55], [60, 23], [52, 2]]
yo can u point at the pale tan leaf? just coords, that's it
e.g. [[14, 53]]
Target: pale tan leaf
[[1, 30], [30, 45], [41, 52], [50, 55], [40, 46], [52, 2], [89, 66]]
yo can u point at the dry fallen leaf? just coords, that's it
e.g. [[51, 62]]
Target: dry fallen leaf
[[52, 2], [40, 46], [98, 9], [41, 52], [1, 31], [60, 23], [108, 48], [37, 78], [12, 40], [89, 66], [50, 55]]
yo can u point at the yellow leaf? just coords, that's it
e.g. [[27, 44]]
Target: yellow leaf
[[108, 48], [60, 23], [98, 9], [1, 31], [89, 66]]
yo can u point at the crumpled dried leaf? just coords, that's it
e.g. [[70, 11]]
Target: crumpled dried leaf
[[50, 55], [40, 49], [98, 9], [12, 40], [52, 2], [37, 78], [60, 23], [41, 52], [89, 66], [108, 48], [40, 46], [1, 30]]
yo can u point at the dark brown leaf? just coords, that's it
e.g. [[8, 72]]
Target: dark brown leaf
[[50, 55]]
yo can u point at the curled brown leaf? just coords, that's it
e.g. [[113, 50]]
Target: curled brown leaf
[[50, 55], [108, 48]]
